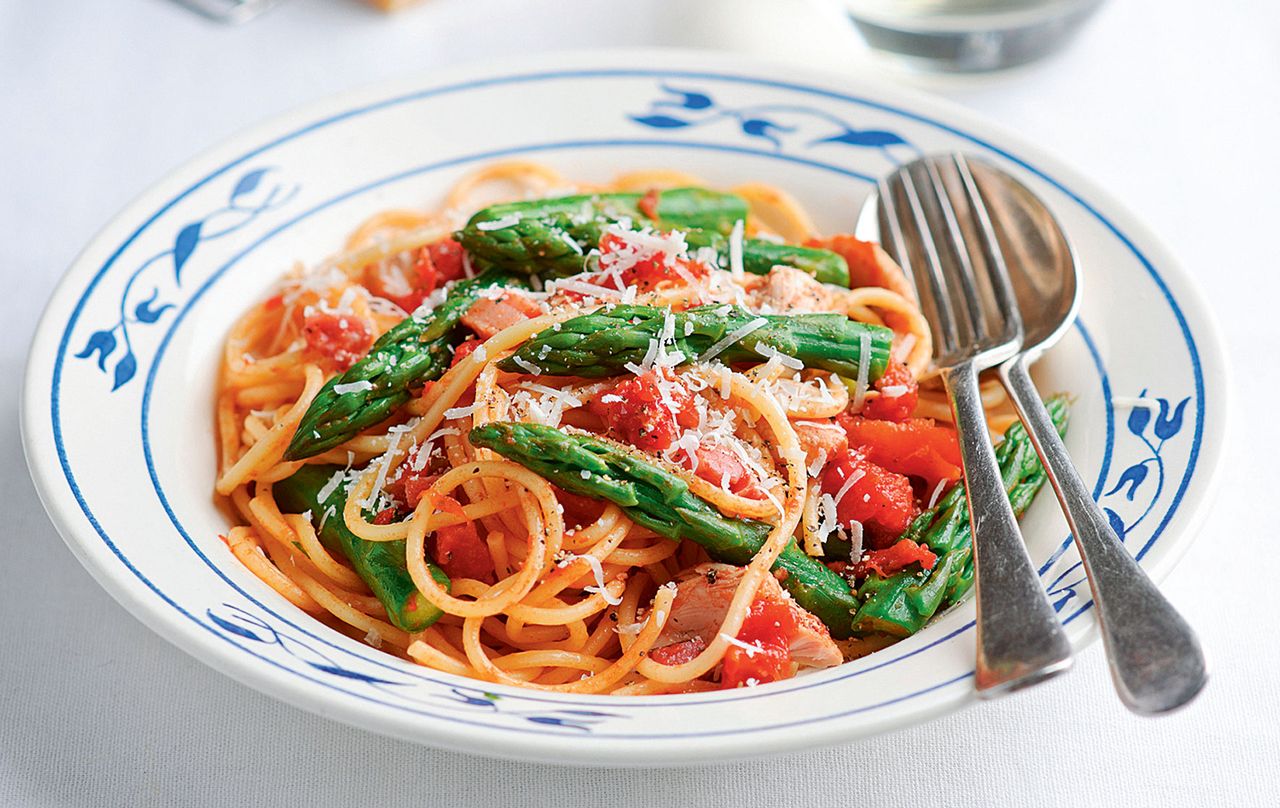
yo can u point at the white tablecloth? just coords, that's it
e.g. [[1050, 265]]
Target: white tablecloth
[[1172, 105]]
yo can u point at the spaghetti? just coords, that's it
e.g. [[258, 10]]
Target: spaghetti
[[435, 532]]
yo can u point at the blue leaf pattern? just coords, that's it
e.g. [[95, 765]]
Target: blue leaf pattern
[[1132, 477], [660, 121], [1169, 425], [145, 314], [303, 655], [347, 673], [233, 628], [690, 99], [125, 370], [184, 245], [766, 122], [871, 138], [759, 127], [102, 343], [247, 183], [1117, 524], [1139, 417]]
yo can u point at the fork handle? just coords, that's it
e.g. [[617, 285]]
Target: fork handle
[[1155, 658], [1020, 641]]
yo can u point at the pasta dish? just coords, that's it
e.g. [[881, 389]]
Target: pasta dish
[[639, 437]]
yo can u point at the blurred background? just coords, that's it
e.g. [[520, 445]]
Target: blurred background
[[1171, 106]]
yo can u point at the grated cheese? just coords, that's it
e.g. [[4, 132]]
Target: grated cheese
[[461, 412], [330, 486], [353, 387], [735, 250], [500, 224], [815, 468], [937, 494], [771, 353], [751, 649], [864, 371], [858, 474], [736, 335], [526, 365], [597, 570]]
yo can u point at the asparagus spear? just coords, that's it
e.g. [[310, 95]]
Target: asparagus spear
[[678, 207], [557, 246], [603, 342], [413, 352], [379, 564], [902, 603], [551, 237], [662, 502]]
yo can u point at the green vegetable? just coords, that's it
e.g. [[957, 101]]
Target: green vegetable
[[415, 351], [552, 237], [759, 256], [655, 498], [677, 207], [380, 564], [902, 603], [603, 342]]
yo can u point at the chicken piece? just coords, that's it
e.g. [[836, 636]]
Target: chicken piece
[[787, 290], [703, 595]]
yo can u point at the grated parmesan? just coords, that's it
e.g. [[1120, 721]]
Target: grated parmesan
[[509, 220], [736, 335], [353, 387], [751, 648]]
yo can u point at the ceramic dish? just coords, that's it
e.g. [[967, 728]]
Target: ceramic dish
[[118, 424]]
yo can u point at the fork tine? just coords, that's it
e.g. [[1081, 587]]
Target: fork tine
[[897, 243], [932, 273], [963, 273], [998, 270]]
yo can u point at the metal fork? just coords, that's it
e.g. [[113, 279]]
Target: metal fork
[[964, 289]]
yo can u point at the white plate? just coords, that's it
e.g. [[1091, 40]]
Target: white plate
[[117, 416]]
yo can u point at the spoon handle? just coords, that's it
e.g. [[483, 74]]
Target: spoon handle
[[1020, 641], [1155, 658]]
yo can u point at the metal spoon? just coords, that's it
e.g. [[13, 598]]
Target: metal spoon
[[1156, 661]]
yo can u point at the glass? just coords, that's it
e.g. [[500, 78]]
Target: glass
[[968, 35]]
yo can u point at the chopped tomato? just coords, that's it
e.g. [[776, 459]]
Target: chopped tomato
[[719, 465], [894, 558], [428, 277], [917, 447], [458, 548], [678, 653], [646, 273], [767, 630], [447, 259], [879, 499], [464, 350], [342, 339], [648, 204], [865, 266], [488, 316], [636, 411], [433, 265], [385, 516], [898, 394]]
